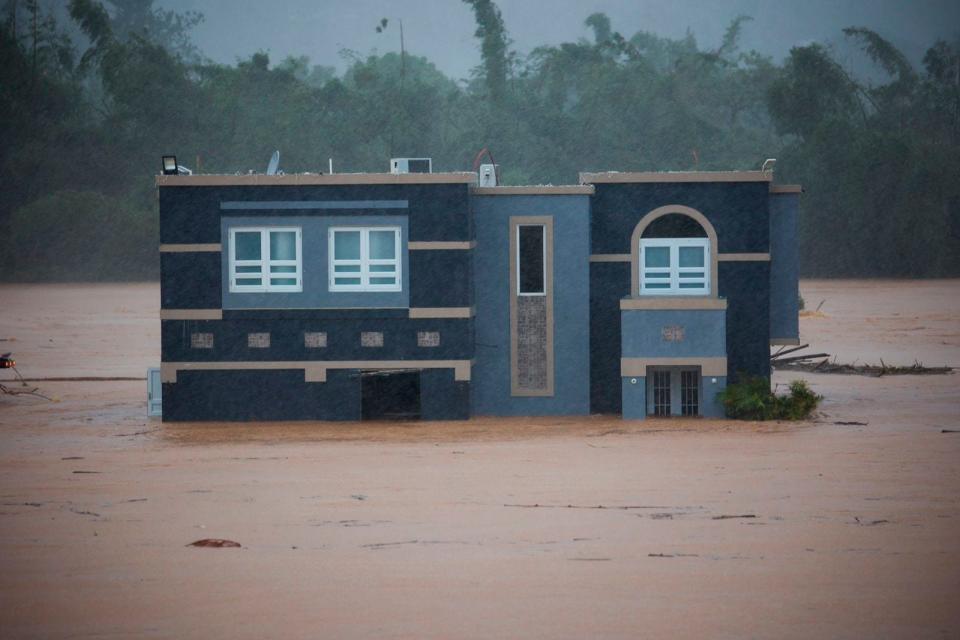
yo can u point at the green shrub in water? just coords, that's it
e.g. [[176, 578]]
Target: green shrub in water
[[751, 399]]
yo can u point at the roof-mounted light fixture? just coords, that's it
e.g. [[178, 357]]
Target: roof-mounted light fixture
[[170, 166]]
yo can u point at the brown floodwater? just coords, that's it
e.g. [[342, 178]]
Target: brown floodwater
[[487, 528]]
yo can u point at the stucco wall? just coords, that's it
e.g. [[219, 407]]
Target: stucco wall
[[491, 393], [316, 265], [784, 266]]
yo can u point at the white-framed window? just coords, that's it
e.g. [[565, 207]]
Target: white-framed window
[[266, 259], [674, 266], [531, 260], [365, 259]]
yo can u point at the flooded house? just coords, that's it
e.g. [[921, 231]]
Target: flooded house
[[442, 296]]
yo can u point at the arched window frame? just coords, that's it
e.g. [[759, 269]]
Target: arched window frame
[[636, 276]]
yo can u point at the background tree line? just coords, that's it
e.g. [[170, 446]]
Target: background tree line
[[90, 100]]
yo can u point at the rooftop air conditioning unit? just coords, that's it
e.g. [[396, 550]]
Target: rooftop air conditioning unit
[[411, 165], [489, 175]]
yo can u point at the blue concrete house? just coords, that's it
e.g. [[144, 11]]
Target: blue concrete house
[[354, 296]]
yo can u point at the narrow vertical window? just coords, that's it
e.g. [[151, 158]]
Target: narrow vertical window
[[531, 260]]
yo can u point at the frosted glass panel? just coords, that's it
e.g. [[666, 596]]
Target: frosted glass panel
[[247, 245], [691, 256], [283, 245], [346, 245], [656, 257], [383, 245]]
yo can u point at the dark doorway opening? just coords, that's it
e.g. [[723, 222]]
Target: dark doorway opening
[[390, 395]]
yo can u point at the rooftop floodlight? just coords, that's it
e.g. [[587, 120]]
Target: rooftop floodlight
[[170, 166]]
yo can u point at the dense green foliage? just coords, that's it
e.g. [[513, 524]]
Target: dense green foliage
[[880, 162], [751, 399]]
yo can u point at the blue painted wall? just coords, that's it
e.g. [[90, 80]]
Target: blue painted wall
[[316, 265], [784, 266], [261, 395], [636, 397], [705, 333], [739, 212], [190, 280], [609, 282], [571, 237], [436, 211]]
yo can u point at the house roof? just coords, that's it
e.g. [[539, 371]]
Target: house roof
[[675, 176], [296, 179]]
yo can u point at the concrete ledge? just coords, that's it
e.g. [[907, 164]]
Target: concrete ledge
[[786, 188], [190, 248], [672, 302], [316, 370], [637, 367], [535, 190], [191, 314], [610, 257], [675, 176], [439, 245], [459, 177], [743, 257], [442, 312]]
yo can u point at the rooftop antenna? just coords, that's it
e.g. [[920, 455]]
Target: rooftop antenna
[[274, 163], [767, 166]]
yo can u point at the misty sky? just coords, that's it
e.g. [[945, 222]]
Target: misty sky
[[442, 30]]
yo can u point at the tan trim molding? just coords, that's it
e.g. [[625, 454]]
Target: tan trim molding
[[316, 370], [544, 189], [610, 257], [637, 367], [675, 176], [659, 212], [438, 245], [465, 177], [191, 314], [779, 342], [673, 302], [547, 222], [786, 188], [188, 248], [442, 312], [744, 257]]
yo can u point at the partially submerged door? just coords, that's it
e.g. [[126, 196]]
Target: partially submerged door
[[673, 391]]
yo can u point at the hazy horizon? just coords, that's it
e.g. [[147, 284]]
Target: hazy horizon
[[443, 32]]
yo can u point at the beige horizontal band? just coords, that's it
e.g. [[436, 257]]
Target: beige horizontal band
[[442, 312], [427, 245], [675, 176], [466, 177], [188, 248], [673, 302], [535, 190], [743, 257], [638, 366], [316, 370], [786, 188], [191, 314], [610, 257], [778, 342]]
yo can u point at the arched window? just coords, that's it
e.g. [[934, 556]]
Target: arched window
[[673, 254]]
